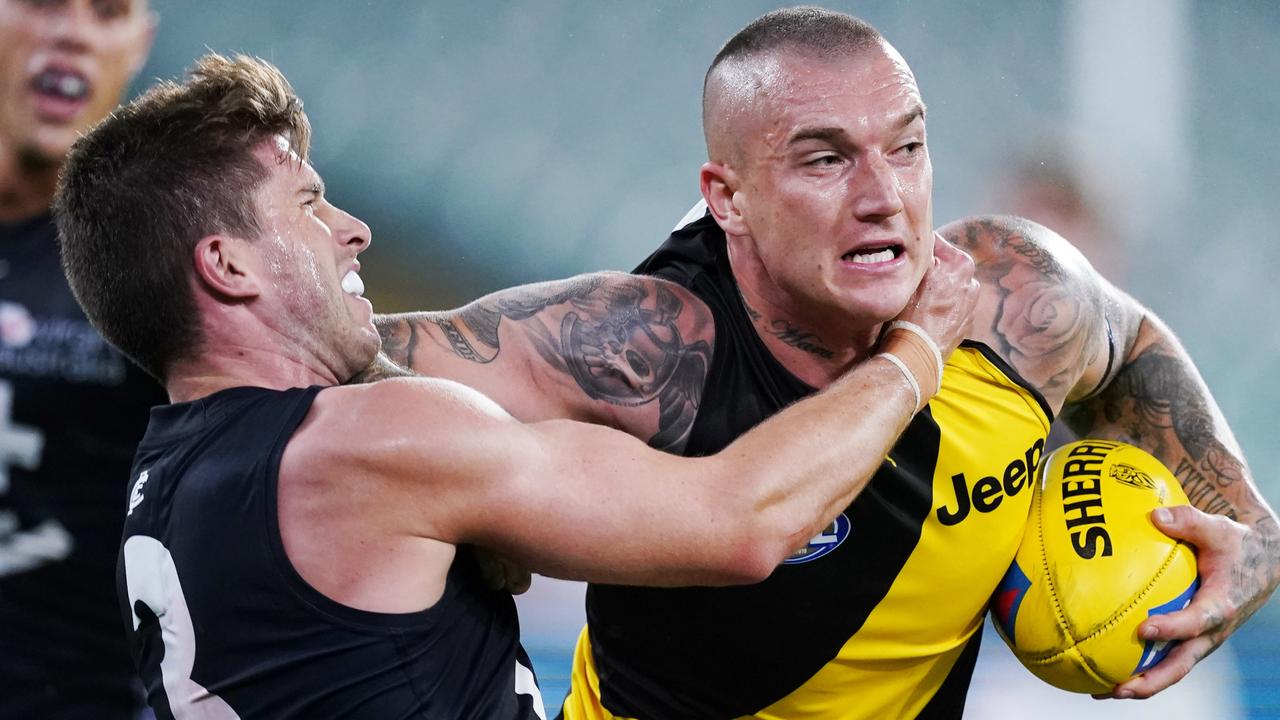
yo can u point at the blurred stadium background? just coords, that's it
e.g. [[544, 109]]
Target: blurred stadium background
[[489, 143]]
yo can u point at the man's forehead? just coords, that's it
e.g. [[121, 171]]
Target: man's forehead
[[281, 161]]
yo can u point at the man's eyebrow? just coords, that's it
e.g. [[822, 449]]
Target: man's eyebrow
[[835, 135], [910, 116], [315, 187], [830, 135]]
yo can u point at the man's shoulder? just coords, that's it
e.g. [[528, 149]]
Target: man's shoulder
[[1010, 238], [1041, 304], [423, 401]]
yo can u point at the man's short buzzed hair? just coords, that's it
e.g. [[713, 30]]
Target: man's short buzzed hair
[[140, 190], [807, 29]]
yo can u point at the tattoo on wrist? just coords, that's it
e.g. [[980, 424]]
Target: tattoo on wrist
[[1255, 572]]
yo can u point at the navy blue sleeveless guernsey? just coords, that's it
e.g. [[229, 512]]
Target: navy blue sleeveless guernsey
[[72, 410], [221, 624]]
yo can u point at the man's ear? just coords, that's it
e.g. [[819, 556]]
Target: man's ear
[[225, 265], [720, 190]]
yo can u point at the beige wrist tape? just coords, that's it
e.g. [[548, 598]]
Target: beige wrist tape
[[906, 373], [909, 347]]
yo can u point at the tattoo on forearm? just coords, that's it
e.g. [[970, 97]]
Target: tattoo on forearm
[[483, 318], [1156, 402], [1200, 490]]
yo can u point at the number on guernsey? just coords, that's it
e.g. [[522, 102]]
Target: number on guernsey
[[527, 685], [152, 579]]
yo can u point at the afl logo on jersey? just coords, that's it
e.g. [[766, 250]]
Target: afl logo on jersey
[[822, 543]]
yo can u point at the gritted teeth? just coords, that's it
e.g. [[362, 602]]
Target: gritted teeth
[[870, 256], [351, 283], [62, 84]]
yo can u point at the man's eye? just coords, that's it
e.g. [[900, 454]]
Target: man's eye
[[822, 160], [912, 148], [110, 9]]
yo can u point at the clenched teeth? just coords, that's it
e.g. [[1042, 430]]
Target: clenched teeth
[[884, 255]]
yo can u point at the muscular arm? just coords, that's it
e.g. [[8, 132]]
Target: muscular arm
[[436, 460], [626, 351], [1116, 371], [1157, 400]]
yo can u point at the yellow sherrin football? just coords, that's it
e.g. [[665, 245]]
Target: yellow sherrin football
[[1092, 567]]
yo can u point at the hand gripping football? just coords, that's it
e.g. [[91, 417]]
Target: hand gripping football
[[1092, 567]]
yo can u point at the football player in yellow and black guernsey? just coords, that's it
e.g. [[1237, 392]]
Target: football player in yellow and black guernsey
[[817, 231]]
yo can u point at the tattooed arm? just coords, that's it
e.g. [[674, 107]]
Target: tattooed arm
[[626, 351], [1158, 400], [1116, 371]]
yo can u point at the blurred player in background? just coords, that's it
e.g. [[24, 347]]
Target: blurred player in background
[[71, 408], [820, 223]]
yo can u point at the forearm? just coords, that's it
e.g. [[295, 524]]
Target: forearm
[[800, 468], [623, 513], [1159, 402]]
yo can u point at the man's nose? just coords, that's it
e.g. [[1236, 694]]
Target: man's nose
[[354, 232], [875, 189], [70, 25]]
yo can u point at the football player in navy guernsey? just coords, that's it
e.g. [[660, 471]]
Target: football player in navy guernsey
[[72, 409], [816, 230], [297, 548]]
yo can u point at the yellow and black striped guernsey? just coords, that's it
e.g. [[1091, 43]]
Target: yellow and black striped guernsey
[[879, 616]]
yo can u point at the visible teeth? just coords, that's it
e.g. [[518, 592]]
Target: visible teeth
[[65, 85], [884, 255], [351, 283], [71, 86]]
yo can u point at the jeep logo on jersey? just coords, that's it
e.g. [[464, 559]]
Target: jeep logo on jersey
[[987, 493], [822, 543]]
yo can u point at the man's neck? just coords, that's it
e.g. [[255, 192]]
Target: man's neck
[[241, 367], [27, 184], [816, 352]]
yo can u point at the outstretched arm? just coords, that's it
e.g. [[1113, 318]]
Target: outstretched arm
[[435, 460], [1117, 372], [615, 349]]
